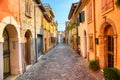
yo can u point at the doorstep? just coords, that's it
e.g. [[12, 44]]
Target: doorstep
[[40, 57], [11, 77]]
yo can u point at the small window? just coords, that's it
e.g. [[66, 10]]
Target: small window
[[28, 8], [82, 16], [91, 42]]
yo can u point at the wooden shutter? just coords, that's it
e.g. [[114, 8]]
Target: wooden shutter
[[82, 16]]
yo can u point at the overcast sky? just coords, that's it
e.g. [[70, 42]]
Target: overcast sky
[[61, 9]]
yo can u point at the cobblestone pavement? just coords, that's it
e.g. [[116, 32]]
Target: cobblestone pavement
[[61, 63]]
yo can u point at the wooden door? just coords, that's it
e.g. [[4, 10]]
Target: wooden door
[[110, 51], [6, 54]]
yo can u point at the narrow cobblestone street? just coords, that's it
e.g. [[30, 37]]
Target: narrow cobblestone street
[[61, 63]]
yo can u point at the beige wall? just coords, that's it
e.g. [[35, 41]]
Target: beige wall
[[81, 32]]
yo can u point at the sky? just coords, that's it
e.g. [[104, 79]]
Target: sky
[[61, 9]]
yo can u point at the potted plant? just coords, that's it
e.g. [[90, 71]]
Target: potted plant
[[94, 65], [111, 73]]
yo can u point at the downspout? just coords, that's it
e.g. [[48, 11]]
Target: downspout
[[94, 29], [35, 32], [22, 55]]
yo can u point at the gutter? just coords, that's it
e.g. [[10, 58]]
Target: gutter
[[94, 27]]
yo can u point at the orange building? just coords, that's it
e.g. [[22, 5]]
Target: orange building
[[99, 32], [10, 50], [106, 32], [24, 27]]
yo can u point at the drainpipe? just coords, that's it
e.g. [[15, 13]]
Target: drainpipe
[[94, 28], [35, 33], [36, 55]]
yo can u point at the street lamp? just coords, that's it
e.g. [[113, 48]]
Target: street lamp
[[36, 5]]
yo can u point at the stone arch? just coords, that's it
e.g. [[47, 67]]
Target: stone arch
[[9, 20], [106, 23], [28, 45], [107, 30], [84, 43], [13, 29], [10, 58], [29, 31]]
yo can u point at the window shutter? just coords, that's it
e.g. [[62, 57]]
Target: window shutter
[[82, 16], [79, 17]]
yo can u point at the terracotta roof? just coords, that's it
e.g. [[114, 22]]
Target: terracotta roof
[[73, 7]]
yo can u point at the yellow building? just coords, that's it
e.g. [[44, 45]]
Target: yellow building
[[49, 27]]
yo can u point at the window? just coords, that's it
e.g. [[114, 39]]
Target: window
[[91, 42], [28, 8], [82, 16], [89, 12], [107, 4]]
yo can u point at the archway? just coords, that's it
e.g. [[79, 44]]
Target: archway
[[28, 49], [85, 44], [10, 50], [107, 42]]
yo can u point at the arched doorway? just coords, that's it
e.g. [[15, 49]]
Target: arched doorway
[[85, 44], [28, 48], [107, 44], [6, 54], [10, 50]]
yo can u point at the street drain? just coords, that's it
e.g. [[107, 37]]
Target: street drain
[[44, 58]]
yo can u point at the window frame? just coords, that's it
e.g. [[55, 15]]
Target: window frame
[[28, 8]]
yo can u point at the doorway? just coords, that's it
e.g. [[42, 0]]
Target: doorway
[[85, 44], [10, 51], [40, 45], [110, 50], [27, 54], [6, 54], [109, 41]]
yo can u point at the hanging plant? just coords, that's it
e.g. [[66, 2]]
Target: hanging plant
[[118, 3]]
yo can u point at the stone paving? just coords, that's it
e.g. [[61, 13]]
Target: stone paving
[[61, 63]]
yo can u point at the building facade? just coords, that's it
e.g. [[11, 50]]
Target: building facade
[[72, 25], [10, 38], [24, 25], [99, 31]]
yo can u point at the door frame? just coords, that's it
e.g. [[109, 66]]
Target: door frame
[[102, 43]]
